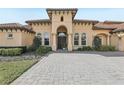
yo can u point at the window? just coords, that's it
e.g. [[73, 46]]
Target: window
[[10, 35], [76, 39], [39, 35], [83, 39], [62, 19], [46, 38]]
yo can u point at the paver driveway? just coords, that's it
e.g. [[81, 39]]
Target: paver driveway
[[75, 68]]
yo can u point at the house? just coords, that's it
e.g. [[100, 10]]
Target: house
[[63, 31]]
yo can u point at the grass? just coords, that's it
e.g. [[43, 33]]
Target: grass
[[9, 71]]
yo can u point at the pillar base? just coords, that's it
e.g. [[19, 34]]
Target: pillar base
[[53, 48]]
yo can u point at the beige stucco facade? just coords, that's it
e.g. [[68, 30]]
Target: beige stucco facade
[[63, 31], [19, 38]]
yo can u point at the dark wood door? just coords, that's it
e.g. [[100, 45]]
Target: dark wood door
[[62, 42]]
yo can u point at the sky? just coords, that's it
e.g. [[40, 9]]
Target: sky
[[20, 15]]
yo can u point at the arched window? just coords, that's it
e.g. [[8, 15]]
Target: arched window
[[46, 38], [62, 19], [83, 39], [76, 39]]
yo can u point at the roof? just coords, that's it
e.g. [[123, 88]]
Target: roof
[[73, 10], [120, 28], [82, 20], [61, 9], [114, 22], [110, 25], [38, 21], [104, 25], [16, 26]]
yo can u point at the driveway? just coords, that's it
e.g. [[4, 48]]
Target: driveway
[[75, 68]]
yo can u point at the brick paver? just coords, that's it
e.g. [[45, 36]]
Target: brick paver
[[74, 68]]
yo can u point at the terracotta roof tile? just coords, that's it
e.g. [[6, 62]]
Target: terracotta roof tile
[[16, 26], [103, 25], [119, 28], [114, 22], [61, 9], [82, 20], [38, 21]]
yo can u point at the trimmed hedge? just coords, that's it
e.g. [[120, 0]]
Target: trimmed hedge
[[43, 50], [85, 48], [24, 48], [106, 48], [101, 48], [11, 51]]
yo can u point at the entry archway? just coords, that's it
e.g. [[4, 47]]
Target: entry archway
[[104, 38], [62, 38]]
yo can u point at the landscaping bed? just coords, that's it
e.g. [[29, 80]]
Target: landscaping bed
[[9, 71]]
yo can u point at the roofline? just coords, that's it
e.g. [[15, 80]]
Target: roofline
[[74, 11], [38, 21], [21, 27], [100, 28], [114, 22], [82, 20], [62, 9], [118, 30]]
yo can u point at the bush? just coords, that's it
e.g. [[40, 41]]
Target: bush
[[11, 51], [43, 50], [36, 43], [30, 49], [85, 48], [79, 49], [106, 48]]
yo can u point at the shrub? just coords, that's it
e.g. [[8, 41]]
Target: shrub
[[0, 51], [36, 43], [43, 50], [30, 49], [85, 48], [106, 48], [11, 51], [79, 49]]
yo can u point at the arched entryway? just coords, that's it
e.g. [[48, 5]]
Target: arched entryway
[[62, 38], [103, 38]]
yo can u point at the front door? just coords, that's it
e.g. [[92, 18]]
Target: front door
[[62, 41]]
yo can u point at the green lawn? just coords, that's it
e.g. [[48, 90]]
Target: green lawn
[[9, 71]]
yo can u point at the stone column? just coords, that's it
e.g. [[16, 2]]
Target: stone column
[[108, 40], [69, 42], [120, 43], [54, 42]]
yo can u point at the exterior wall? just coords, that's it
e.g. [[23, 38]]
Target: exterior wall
[[42, 28], [117, 42], [20, 38], [83, 28], [122, 43], [27, 38], [67, 21], [6, 42]]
